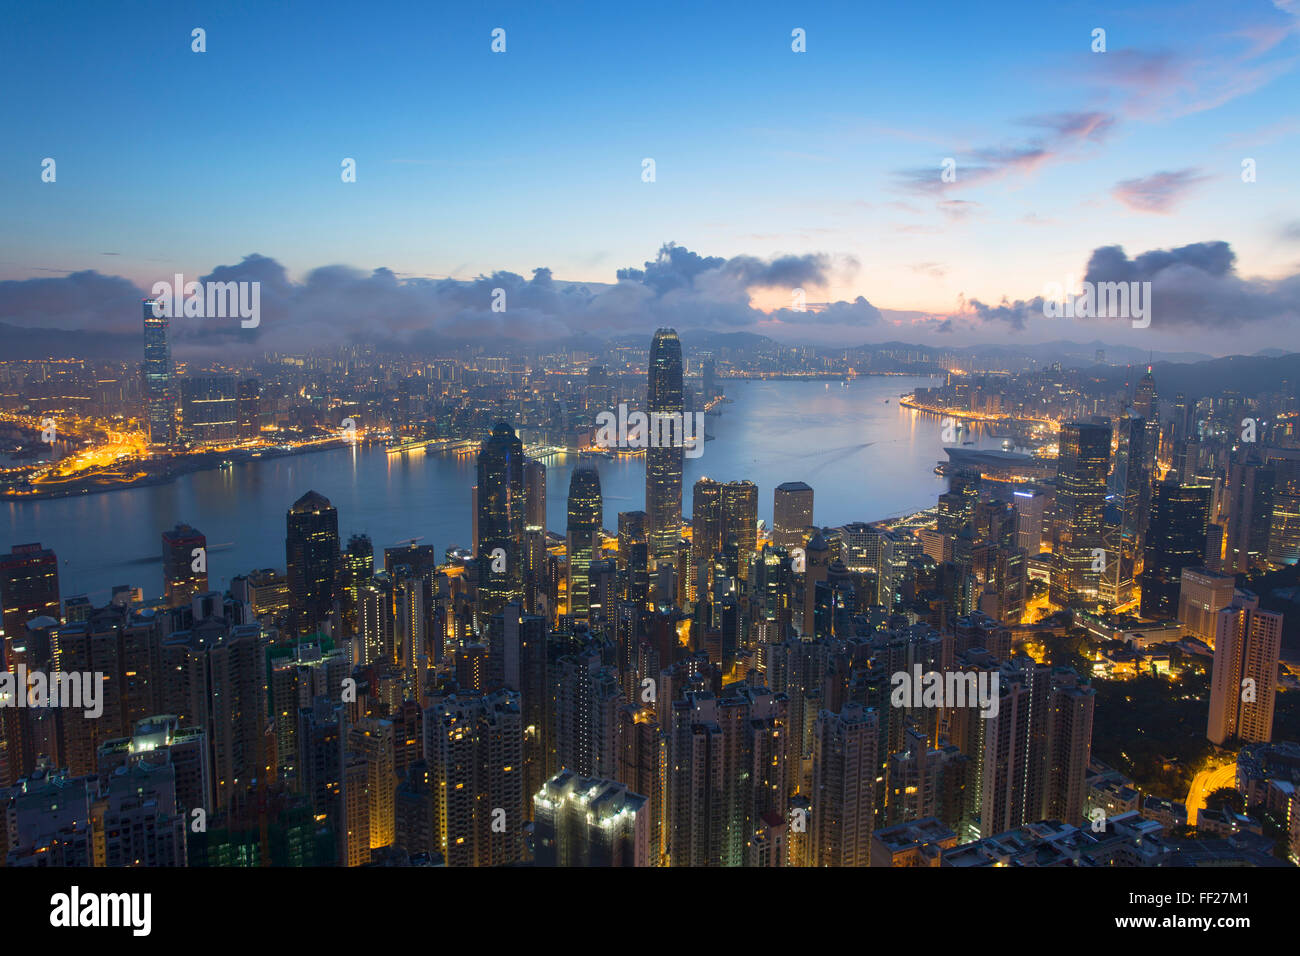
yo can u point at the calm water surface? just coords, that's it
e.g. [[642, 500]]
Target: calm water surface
[[865, 459]]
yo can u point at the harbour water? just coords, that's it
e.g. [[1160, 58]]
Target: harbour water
[[864, 456]]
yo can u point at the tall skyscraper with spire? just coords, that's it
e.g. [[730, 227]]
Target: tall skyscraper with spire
[[158, 392], [663, 464], [586, 515]]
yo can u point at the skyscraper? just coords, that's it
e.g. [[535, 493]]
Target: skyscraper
[[158, 392], [185, 568], [1202, 595], [1123, 516], [1082, 467], [706, 536], [209, 409], [312, 557], [29, 587], [663, 460], [792, 512], [1175, 540], [586, 515], [740, 520], [501, 506], [1250, 513], [1243, 684], [534, 494], [590, 821]]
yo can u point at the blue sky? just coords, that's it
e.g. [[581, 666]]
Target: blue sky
[[470, 162]]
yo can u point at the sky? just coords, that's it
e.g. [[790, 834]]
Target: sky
[[773, 169]]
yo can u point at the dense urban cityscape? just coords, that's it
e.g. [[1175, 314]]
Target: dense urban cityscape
[[441, 441], [641, 688]]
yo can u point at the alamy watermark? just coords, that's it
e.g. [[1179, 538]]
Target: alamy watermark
[[209, 300], [950, 689], [1099, 300], [683, 430], [23, 688]]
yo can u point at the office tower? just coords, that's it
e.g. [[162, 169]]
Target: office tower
[[185, 564], [1243, 684], [1175, 540], [740, 520], [1031, 508], [1121, 520], [1250, 514], [29, 588], [663, 459], [1202, 594], [356, 569], [312, 556], [501, 507], [158, 393], [590, 821], [1147, 406], [706, 536], [370, 740], [792, 514], [534, 494], [817, 560], [586, 515], [248, 408], [474, 746], [209, 410], [1082, 467], [1284, 529], [844, 785]]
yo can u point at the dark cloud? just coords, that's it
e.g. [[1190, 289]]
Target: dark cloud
[[79, 300], [339, 303], [1198, 285]]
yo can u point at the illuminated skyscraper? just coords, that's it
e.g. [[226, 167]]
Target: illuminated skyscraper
[[1202, 595], [534, 494], [312, 557], [185, 568], [663, 459], [29, 587], [209, 410], [1082, 468], [706, 536], [586, 515], [501, 505], [1250, 513], [1175, 540], [792, 512], [474, 746], [740, 519], [590, 821], [158, 392], [1243, 683]]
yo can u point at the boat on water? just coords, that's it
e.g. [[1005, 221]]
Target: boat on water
[[227, 465]]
